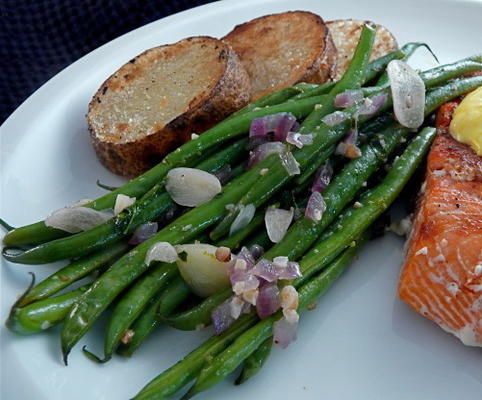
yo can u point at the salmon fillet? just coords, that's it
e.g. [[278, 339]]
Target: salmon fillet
[[442, 275]]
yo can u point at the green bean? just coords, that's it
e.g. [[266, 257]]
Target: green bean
[[200, 314], [150, 207], [42, 314], [173, 379], [130, 266], [173, 296], [162, 304], [229, 359], [374, 202], [141, 328], [303, 233], [255, 361], [442, 73], [308, 172], [72, 272], [131, 305], [187, 153], [270, 183]]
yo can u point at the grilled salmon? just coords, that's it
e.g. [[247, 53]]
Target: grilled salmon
[[442, 275]]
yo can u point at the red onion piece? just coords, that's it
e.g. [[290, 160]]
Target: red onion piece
[[299, 140], [322, 177], [268, 300], [143, 232], [256, 141], [315, 207], [221, 317], [244, 217], [258, 127], [280, 124], [263, 151], [289, 162], [77, 219], [348, 98], [224, 174], [335, 118], [247, 256], [277, 222], [284, 332], [371, 105], [283, 126], [408, 93], [265, 269]]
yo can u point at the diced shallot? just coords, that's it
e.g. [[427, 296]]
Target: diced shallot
[[315, 207], [161, 251], [191, 187], [408, 93], [246, 255], [279, 124], [284, 332], [277, 222], [299, 140], [335, 118], [221, 317], [289, 162], [265, 269], [322, 177], [290, 271], [264, 150], [268, 300], [77, 219], [289, 298], [244, 282], [348, 98], [143, 232], [371, 105], [244, 217]]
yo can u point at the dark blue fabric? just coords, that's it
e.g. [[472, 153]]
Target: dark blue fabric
[[38, 38]]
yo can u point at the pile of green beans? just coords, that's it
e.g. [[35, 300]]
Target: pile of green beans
[[147, 296]]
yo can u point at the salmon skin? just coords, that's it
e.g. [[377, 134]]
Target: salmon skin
[[442, 275]]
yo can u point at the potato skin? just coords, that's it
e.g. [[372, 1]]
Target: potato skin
[[229, 92]]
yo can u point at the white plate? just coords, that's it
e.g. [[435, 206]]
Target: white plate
[[360, 343]]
